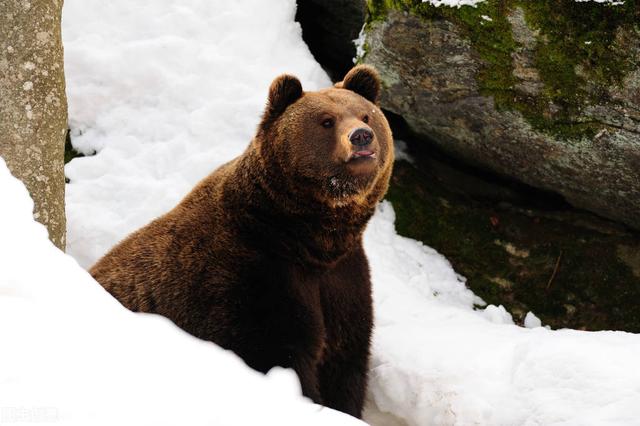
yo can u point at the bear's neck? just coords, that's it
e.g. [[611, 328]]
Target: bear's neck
[[300, 228]]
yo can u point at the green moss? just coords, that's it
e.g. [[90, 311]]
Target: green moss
[[570, 36], [592, 288], [582, 36], [377, 10]]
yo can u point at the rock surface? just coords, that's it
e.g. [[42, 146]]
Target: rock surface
[[545, 92]]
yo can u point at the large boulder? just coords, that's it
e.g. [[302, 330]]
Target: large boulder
[[546, 92]]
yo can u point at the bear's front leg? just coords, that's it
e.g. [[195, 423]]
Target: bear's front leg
[[262, 357], [348, 318], [343, 380], [307, 371]]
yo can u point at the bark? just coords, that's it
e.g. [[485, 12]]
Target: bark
[[33, 105]]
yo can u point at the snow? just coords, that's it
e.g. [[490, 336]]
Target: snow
[[532, 321], [165, 92], [72, 355], [437, 361], [359, 44], [401, 151]]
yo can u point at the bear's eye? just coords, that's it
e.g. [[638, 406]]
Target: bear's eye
[[365, 118], [328, 123]]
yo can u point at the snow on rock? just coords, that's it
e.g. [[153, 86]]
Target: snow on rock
[[72, 355], [166, 92]]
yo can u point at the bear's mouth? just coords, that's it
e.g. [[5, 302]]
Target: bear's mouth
[[362, 154]]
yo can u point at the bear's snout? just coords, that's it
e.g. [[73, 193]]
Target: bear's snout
[[361, 136]]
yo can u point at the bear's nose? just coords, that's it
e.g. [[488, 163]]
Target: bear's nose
[[361, 136]]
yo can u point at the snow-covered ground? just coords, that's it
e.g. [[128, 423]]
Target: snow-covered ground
[[166, 91]]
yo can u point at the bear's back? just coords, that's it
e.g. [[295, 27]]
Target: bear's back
[[158, 268]]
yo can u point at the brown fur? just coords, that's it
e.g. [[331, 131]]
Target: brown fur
[[264, 256]]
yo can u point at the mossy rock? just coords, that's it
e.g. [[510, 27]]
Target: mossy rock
[[546, 92]]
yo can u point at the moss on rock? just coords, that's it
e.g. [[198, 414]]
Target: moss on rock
[[577, 54]]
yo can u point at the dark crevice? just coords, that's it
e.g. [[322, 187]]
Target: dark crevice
[[330, 35]]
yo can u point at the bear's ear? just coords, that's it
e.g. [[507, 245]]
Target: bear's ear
[[364, 80], [284, 90]]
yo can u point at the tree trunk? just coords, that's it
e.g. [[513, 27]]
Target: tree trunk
[[33, 105]]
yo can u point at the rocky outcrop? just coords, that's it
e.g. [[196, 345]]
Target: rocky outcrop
[[545, 92]]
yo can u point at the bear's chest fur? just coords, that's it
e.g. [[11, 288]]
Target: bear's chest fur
[[302, 309]]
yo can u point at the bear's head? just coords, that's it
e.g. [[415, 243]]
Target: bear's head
[[334, 144]]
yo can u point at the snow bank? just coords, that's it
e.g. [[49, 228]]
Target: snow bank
[[168, 91], [436, 361], [73, 355]]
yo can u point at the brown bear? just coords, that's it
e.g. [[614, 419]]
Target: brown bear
[[264, 257]]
